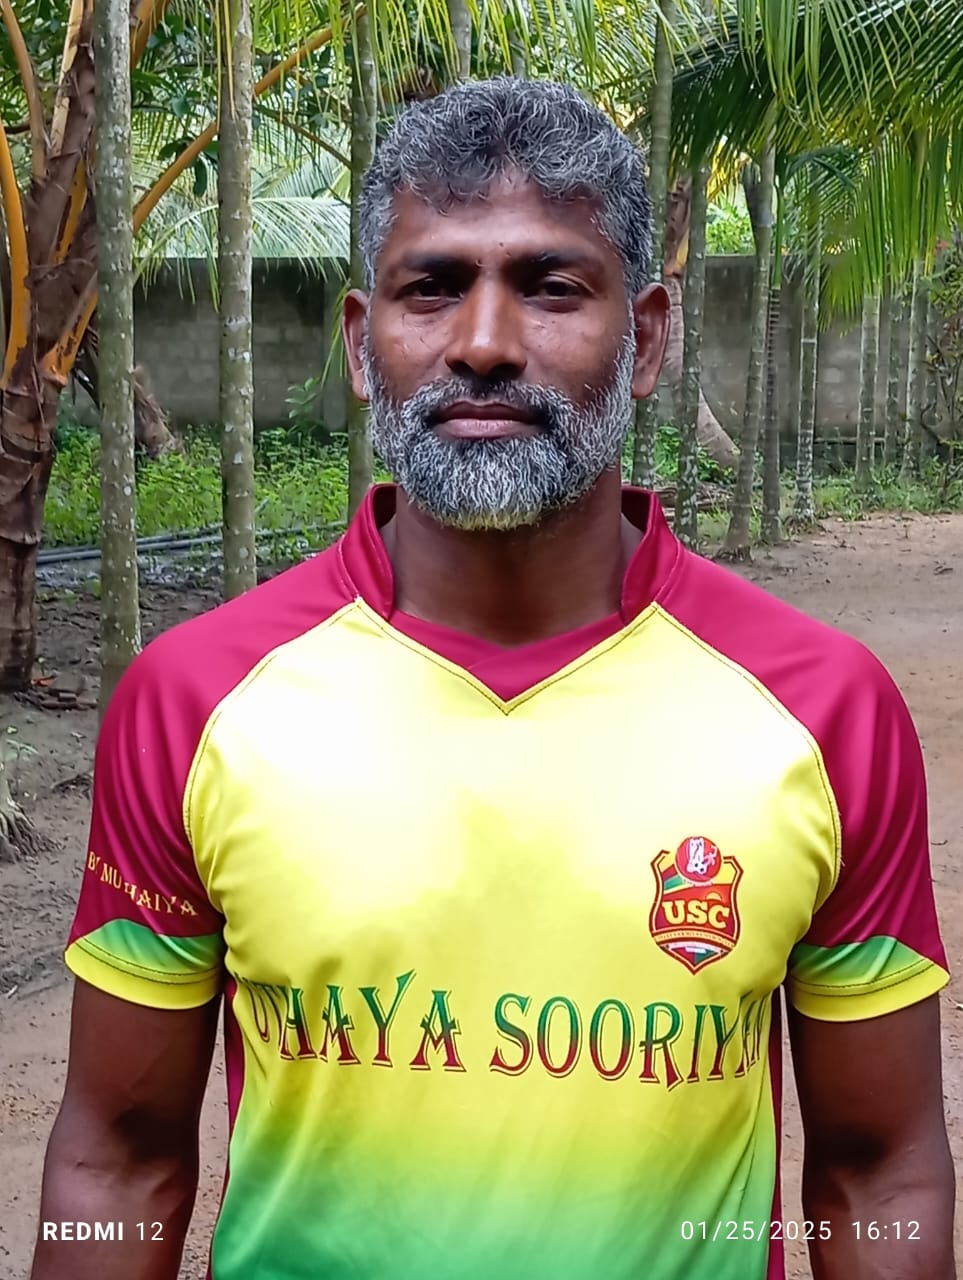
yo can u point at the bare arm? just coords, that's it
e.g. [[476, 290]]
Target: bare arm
[[871, 1098], [124, 1147]]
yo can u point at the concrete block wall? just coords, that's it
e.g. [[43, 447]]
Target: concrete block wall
[[176, 336], [176, 339]]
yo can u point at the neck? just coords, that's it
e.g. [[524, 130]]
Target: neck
[[518, 586]]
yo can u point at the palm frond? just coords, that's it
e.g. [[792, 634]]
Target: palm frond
[[907, 196]]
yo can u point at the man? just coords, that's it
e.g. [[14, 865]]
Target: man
[[501, 824]]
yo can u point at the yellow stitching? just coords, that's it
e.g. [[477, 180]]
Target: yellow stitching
[[583, 659], [786, 714], [133, 969], [234, 692]]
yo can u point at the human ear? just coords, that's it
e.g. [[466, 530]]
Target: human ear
[[651, 312], [353, 318]]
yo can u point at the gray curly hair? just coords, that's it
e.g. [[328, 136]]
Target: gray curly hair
[[454, 146]]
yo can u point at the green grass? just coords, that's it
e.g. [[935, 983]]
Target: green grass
[[305, 484], [667, 457], [298, 482], [938, 489], [712, 527], [181, 493]]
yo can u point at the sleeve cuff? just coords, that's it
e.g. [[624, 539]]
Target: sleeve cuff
[[155, 992], [853, 1004]]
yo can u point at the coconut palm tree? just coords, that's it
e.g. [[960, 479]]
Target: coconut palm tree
[[897, 361], [687, 490], [882, 82], [236, 357], [868, 369], [771, 525], [916, 375], [364, 120], [736, 545], [459, 18], [660, 138], [52, 292], [120, 637], [804, 510]]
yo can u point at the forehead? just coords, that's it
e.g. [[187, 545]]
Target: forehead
[[512, 220]]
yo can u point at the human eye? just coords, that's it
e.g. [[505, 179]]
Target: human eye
[[429, 289], [557, 288]]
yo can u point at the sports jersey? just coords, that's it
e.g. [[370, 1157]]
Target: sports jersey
[[501, 933]]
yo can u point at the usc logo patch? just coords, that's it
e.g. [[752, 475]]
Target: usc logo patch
[[695, 917]]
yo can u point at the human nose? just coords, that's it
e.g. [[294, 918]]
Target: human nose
[[487, 339]]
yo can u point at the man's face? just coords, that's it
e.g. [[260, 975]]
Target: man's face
[[500, 355]]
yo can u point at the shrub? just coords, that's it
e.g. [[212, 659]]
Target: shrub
[[296, 484], [667, 457]]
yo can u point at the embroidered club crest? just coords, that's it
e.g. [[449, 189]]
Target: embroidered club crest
[[695, 917]]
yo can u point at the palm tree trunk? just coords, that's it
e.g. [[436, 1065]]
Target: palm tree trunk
[[736, 546], [119, 603], [647, 411], [364, 97], [151, 429], [234, 273], [868, 368], [771, 527], [892, 431], [804, 510], [712, 437], [51, 244], [931, 384], [915, 375], [687, 489], [18, 836], [39, 242], [23, 488], [4, 282], [459, 17]]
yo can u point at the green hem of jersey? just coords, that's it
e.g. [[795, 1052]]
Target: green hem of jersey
[[873, 1000], [119, 978], [869, 965]]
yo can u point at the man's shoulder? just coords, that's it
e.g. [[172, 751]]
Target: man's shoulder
[[190, 668], [812, 668]]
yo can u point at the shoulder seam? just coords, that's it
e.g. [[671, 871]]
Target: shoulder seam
[[234, 692], [815, 750]]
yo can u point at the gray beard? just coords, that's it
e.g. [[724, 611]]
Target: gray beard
[[500, 484]]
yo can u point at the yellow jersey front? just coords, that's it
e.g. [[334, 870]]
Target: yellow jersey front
[[501, 933]]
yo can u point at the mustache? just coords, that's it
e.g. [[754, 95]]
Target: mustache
[[545, 405]]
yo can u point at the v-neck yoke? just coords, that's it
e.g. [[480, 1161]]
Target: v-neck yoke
[[508, 672]]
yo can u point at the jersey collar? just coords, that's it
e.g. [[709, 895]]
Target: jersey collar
[[366, 564]]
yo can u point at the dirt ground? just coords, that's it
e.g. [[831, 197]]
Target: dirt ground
[[896, 583]]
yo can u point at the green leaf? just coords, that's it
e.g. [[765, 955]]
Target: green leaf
[[200, 178]]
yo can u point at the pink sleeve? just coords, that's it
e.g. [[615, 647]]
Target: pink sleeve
[[874, 945], [145, 929]]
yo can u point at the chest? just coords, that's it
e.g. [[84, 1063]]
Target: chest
[[631, 831]]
